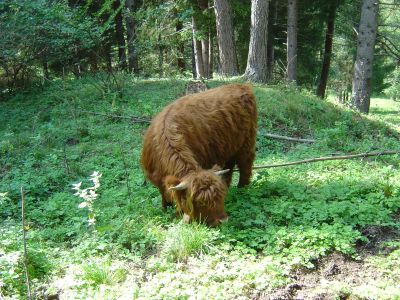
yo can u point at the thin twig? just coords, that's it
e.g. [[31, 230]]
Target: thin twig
[[28, 286], [125, 170], [132, 118], [66, 160], [286, 138], [342, 157]]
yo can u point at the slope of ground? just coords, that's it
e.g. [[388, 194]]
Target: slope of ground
[[318, 231]]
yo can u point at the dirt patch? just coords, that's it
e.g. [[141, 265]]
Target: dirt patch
[[336, 275], [71, 142], [377, 236]]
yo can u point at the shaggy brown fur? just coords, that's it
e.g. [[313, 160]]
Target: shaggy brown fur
[[194, 136]]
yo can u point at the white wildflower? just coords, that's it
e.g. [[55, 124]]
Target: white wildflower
[[89, 195]]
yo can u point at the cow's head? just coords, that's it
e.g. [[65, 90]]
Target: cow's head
[[200, 196]]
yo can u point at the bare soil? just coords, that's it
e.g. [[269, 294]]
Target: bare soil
[[338, 270]]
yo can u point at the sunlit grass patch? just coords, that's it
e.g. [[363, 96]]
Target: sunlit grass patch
[[218, 275]]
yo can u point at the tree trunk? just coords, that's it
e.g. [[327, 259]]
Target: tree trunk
[[194, 72], [105, 47], [256, 69], [272, 17], [131, 7], [92, 59], [362, 78], [292, 41], [108, 56], [226, 45], [119, 35], [210, 56], [327, 52], [160, 56], [181, 49], [198, 53], [205, 47]]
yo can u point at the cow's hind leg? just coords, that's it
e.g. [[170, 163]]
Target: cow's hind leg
[[227, 177], [245, 164]]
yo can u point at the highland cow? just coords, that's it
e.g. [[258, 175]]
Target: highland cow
[[192, 146]]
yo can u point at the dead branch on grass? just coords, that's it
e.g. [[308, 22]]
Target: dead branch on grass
[[287, 138], [134, 119], [317, 159]]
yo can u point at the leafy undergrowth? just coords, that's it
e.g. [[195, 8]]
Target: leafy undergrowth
[[284, 226]]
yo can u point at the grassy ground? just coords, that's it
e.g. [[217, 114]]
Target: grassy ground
[[327, 230]]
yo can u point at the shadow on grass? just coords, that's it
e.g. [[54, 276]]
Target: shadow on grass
[[385, 112]]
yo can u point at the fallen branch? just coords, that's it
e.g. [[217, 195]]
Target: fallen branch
[[132, 118], [342, 157], [286, 138]]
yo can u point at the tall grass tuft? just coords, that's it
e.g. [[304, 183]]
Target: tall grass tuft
[[103, 273], [184, 240]]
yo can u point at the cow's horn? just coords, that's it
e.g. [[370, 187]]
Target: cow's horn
[[222, 172], [182, 186]]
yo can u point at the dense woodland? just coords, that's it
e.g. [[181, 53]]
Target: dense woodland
[[351, 47], [79, 83]]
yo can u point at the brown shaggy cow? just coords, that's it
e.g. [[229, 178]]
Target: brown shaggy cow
[[189, 142]]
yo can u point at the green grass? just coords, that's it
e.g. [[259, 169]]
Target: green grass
[[285, 221], [183, 241], [97, 273]]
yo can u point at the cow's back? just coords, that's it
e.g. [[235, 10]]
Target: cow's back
[[198, 131]]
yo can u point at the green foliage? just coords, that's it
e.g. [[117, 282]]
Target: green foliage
[[63, 221], [393, 82], [35, 32], [138, 235], [156, 32], [12, 271]]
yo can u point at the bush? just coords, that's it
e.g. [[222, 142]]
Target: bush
[[393, 80]]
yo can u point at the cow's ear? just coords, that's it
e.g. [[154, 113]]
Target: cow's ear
[[171, 181], [174, 184], [177, 195]]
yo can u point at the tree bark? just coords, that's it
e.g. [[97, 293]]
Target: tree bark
[[226, 45], [272, 17], [327, 52], [119, 35], [131, 7], [362, 78], [256, 69], [292, 41]]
